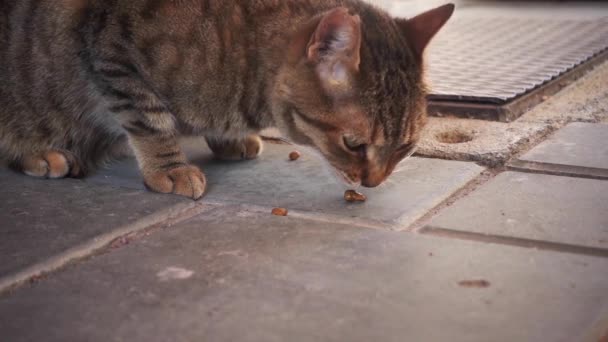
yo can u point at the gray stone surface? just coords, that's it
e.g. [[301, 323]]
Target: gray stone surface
[[541, 207], [577, 144], [41, 218], [239, 276], [491, 143], [308, 185]]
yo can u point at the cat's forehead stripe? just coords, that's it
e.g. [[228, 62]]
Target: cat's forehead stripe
[[378, 138]]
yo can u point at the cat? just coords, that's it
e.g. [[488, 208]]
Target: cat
[[82, 77]]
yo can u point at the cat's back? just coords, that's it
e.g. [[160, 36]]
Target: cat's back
[[41, 68], [37, 33]]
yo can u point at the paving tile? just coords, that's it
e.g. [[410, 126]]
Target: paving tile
[[41, 218], [240, 276], [577, 144], [307, 184], [578, 148], [532, 206]]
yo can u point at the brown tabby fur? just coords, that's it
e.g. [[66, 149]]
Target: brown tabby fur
[[81, 77]]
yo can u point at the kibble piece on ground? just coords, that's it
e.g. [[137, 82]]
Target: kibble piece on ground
[[354, 196], [279, 212], [295, 155], [477, 283]]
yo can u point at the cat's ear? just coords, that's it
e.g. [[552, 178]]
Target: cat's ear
[[336, 38], [334, 48], [420, 29]]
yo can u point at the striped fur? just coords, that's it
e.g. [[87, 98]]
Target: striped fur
[[82, 77]]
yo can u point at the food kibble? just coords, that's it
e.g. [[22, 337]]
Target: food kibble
[[354, 196], [477, 283], [279, 212], [295, 155]]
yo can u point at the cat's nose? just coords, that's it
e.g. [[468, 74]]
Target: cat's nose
[[372, 180], [373, 174], [370, 184]]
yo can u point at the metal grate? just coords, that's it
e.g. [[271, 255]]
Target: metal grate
[[494, 59]]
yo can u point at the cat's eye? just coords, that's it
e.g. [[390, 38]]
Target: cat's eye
[[355, 145]]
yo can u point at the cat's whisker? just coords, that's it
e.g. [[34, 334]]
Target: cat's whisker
[[328, 169], [401, 166], [388, 182], [400, 169]]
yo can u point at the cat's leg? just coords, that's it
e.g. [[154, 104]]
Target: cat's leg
[[163, 165], [246, 148], [150, 125], [153, 136]]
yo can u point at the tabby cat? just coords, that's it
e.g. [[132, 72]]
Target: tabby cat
[[79, 78]]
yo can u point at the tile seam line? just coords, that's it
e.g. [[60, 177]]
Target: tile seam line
[[562, 170], [175, 214], [180, 211], [485, 176], [514, 241], [311, 215]]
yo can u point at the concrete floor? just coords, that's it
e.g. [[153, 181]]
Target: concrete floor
[[485, 255], [448, 250]]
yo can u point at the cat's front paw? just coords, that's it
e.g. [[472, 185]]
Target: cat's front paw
[[50, 164], [247, 148], [187, 180]]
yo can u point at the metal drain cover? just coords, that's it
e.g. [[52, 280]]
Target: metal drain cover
[[484, 61]]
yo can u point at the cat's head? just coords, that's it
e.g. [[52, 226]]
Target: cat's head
[[352, 88]]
